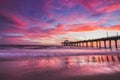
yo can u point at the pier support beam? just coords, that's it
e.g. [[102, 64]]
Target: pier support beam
[[91, 43], [110, 44], [99, 44], [116, 44], [80, 44], [105, 44], [86, 44]]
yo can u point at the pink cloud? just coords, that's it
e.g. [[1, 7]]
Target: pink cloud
[[12, 19], [18, 21], [110, 8], [88, 4]]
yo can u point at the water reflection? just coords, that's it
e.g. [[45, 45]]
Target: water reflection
[[53, 68]]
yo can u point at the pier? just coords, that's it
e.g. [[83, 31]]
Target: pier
[[98, 42]]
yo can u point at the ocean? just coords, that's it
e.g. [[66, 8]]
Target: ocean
[[58, 63]]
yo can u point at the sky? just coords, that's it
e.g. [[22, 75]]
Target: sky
[[49, 22]]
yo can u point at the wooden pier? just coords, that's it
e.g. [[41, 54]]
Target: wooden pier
[[84, 43]]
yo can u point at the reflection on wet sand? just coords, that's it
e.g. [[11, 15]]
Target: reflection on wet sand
[[60, 68]]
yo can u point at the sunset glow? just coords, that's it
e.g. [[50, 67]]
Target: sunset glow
[[50, 22]]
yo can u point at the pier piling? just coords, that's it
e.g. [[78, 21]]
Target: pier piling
[[84, 43]]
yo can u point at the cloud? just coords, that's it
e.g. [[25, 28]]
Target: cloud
[[89, 4], [82, 28], [64, 29], [10, 19], [12, 35], [115, 27], [109, 8]]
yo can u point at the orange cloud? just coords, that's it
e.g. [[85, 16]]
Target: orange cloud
[[80, 28], [116, 27]]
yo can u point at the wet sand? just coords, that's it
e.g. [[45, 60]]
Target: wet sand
[[90, 67]]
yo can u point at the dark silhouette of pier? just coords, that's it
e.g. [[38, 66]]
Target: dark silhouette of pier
[[98, 41]]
